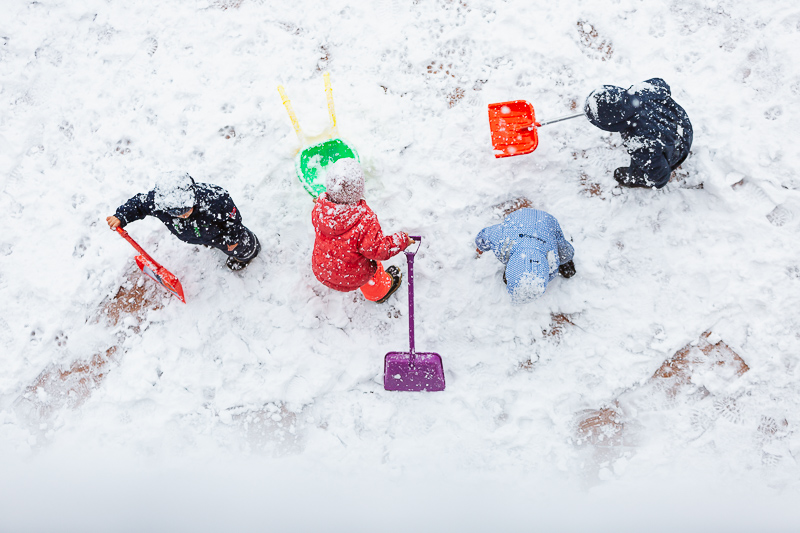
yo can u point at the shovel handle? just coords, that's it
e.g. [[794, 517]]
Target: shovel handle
[[136, 245], [418, 240], [130, 240], [410, 260], [559, 119]]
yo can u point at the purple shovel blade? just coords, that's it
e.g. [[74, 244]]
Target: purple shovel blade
[[412, 371], [424, 374]]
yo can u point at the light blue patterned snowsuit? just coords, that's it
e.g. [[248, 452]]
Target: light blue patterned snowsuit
[[531, 244]]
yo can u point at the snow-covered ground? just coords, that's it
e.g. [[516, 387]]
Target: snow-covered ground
[[265, 390]]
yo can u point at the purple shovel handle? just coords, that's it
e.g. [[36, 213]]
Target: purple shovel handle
[[410, 259]]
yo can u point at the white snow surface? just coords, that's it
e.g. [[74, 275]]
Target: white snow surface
[[265, 389]]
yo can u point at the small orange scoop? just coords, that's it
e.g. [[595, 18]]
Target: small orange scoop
[[513, 127]]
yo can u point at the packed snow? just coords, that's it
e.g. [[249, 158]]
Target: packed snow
[[657, 389]]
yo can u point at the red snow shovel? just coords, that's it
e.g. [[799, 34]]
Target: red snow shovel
[[513, 126], [153, 270], [410, 371]]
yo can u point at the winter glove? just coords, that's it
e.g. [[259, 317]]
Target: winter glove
[[567, 269]]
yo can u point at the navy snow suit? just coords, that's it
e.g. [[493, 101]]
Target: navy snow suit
[[655, 130], [531, 244], [215, 221]]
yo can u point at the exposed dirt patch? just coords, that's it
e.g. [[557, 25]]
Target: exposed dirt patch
[[676, 373], [558, 323], [454, 96], [441, 68], [58, 387], [445, 72], [227, 131], [594, 44], [590, 188], [600, 427], [134, 298], [123, 147], [607, 426], [324, 58], [509, 206]]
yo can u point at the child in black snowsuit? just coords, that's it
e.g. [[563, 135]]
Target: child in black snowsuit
[[655, 130], [197, 213]]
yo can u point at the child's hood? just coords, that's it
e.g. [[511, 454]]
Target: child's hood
[[610, 108], [528, 272], [333, 219]]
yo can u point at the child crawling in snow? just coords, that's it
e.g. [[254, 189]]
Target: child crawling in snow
[[349, 244], [655, 130], [532, 246]]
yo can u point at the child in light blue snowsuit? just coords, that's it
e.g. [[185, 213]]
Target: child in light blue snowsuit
[[532, 246]]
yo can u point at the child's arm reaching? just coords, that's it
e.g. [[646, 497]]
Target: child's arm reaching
[[374, 245], [134, 209], [488, 238]]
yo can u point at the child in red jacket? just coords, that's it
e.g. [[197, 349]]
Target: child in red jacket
[[350, 244]]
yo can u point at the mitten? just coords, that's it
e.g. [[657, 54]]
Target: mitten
[[567, 269]]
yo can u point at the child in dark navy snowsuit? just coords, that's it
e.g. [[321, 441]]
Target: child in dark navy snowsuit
[[197, 213], [655, 130], [532, 246]]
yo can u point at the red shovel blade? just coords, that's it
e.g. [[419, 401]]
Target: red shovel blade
[[513, 126], [160, 274]]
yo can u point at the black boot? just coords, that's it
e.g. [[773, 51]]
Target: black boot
[[397, 279], [236, 265], [626, 178], [567, 269]]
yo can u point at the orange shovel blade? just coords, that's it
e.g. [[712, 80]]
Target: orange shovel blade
[[513, 126], [160, 274]]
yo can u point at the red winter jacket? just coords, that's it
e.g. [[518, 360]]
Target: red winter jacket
[[349, 241]]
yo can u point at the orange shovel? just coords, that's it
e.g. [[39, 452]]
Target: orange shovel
[[513, 126], [153, 270]]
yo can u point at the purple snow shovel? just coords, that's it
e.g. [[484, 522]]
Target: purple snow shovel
[[409, 371]]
